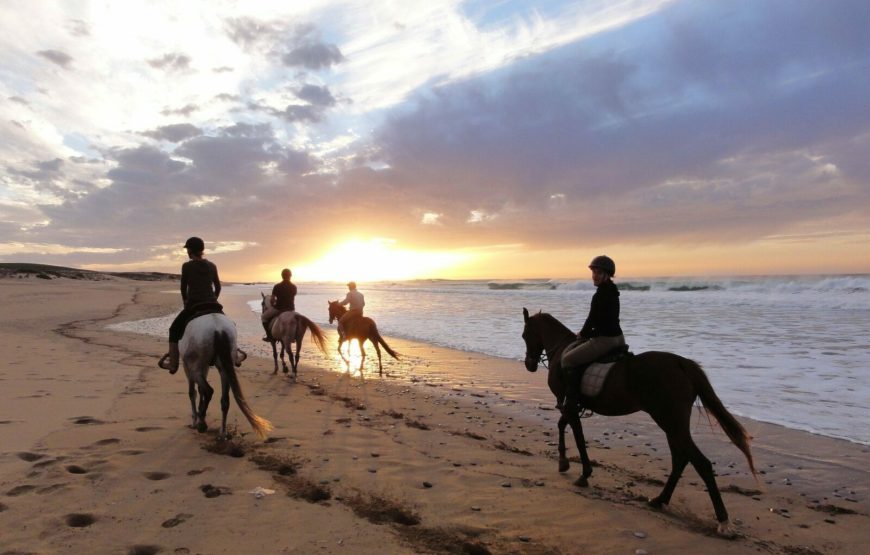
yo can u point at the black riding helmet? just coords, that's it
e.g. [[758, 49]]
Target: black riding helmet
[[195, 244], [605, 263]]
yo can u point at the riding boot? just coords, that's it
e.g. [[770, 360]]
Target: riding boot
[[266, 326], [572, 396], [173, 358]]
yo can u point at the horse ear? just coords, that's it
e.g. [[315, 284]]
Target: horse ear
[[525, 314]]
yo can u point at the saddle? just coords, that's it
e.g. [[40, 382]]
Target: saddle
[[588, 380], [202, 309]]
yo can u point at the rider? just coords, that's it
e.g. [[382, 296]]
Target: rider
[[601, 332], [200, 284], [283, 299], [356, 300]]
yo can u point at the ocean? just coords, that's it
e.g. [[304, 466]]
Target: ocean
[[789, 350]]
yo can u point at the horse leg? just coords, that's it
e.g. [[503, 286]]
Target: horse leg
[[275, 357], [284, 364], [205, 393], [380, 365], [679, 460], [564, 463], [296, 359], [191, 392], [705, 469], [577, 428], [225, 402], [362, 356], [341, 353]]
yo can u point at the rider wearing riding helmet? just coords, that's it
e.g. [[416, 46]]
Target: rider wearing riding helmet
[[601, 332], [200, 285]]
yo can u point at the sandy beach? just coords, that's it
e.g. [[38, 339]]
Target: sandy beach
[[96, 456]]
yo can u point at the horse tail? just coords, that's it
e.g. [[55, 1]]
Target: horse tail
[[224, 349], [376, 335], [712, 404], [316, 333]]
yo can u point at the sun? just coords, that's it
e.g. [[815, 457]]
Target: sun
[[378, 260]]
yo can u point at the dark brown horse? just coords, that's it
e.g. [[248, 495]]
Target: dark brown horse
[[664, 385], [362, 328]]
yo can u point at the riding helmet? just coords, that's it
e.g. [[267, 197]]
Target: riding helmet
[[195, 244], [605, 263]]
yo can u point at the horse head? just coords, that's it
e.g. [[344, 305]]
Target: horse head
[[336, 311], [533, 340]]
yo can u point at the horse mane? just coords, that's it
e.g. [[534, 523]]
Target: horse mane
[[549, 318]]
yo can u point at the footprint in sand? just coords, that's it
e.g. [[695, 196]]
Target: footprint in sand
[[144, 550], [85, 420], [157, 475], [3, 507], [20, 490], [176, 520], [148, 428], [108, 441], [30, 457], [211, 491], [132, 452], [79, 520], [76, 469]]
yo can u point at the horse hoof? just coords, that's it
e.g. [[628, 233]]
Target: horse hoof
[[725, 530], [581, 482], [201, 427], [655, 503], [564, 465]]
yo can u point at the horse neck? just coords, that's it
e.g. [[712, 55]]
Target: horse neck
[[555, 337]]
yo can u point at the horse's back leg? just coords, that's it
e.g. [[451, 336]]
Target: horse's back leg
[[284, 346], [296, 359], [225, 400], [205, 395], [191, 392], [564, 463], [362, 355], [378, 350]]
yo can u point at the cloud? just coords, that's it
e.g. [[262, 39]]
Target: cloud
[[62, 59], [185, 110], [174, 133], [171, 62], [313, 55], [315, 95]]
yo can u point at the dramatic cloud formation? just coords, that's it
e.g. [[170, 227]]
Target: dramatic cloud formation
[[680, 136]]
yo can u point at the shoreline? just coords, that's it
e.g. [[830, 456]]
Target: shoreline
[[92, 397]]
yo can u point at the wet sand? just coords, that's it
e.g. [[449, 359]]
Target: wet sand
[[96, 456]]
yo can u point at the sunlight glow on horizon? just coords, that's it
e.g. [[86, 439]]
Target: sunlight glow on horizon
[[378, 260]]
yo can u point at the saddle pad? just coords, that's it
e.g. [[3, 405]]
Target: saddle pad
[[593, 378]]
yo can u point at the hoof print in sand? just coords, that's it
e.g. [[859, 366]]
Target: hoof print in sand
[[214, 491], [144, 550], [176, 520], [30, 457], [148, 428], [108, 441], [79, 520], [20, 490], [85, 420], [76, 469], [157, 475], [3, 507]]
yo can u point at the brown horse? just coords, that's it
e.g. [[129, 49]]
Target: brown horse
[[664, 385], [361, 329], [287, 328]]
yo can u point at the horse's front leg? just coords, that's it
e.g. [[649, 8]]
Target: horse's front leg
[[564, 463], [275, 357], [577, 428], [341, 353]]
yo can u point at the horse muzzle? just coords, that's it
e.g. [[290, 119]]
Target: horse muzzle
[[531, 364]]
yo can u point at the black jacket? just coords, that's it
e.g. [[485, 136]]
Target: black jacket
[[603, 319]]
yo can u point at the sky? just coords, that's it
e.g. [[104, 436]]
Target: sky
[[437, 139]]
